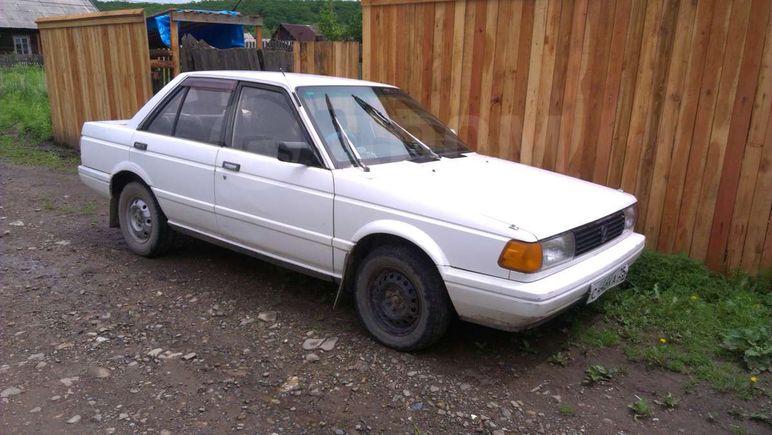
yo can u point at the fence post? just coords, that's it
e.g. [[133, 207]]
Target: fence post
[[175, 44]]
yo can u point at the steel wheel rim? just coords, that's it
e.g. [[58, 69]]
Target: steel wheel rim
[[394, 301], [140, 220]]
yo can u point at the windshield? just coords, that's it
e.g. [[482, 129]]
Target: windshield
[[376, 125]]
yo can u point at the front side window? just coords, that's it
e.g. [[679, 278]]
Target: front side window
[[263, 121], [202, 115], [21, 44], [376, 125]]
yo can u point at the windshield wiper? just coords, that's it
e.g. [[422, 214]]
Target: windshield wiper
[[392, 126], [345, 142]]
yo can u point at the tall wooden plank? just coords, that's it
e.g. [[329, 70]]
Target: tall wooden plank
[[427, 54], [552, 134], [446, 67], [598, 55], [459, 34], [739, 250], [499, 75], [654, 114], [469, 23], [611, 91], [745, 89], [367, 43], [687, 115], [702, 128], [722, 118], [631, 62], [582, 102], [572, 85], [505, 139], [676, 78], [756, 252], [521, 79], [486, 81], [643, 94], [438, 29], [544, 92], [534, 76]]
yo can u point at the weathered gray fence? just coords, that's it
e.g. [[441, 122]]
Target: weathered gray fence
[[8, 60]]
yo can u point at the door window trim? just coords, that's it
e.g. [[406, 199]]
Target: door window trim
[[298, 118]]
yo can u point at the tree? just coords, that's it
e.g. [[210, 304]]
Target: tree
[[328, 25]]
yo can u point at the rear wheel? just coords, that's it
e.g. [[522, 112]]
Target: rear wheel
[[142, 223], [401, 298]]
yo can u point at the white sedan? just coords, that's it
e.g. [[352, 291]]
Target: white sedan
[[355, 182]]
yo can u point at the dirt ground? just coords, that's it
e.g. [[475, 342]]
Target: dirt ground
[[94, 339]]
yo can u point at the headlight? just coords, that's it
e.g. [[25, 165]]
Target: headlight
[[558, 249], [533, 257], [630, 217]]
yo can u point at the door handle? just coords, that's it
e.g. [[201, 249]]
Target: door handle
[[140, 146], [231, 166]]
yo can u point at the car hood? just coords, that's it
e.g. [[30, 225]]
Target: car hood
[[517, 196]]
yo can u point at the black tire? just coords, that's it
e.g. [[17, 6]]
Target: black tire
[[401, 298], [143, 224]]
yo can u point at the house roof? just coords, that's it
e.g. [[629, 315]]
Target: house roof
[[21, 14], [300, 32]]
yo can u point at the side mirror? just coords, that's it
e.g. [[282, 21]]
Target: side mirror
[[298, 152]]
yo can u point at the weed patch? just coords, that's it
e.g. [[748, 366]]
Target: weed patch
[[598, 374], [678, 315]]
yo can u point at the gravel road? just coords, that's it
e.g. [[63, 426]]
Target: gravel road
[[94, 339]]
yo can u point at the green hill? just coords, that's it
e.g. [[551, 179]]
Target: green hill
[[348, 14]]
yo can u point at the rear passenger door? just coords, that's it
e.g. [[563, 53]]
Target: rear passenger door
[[276, 207], [177, 147]]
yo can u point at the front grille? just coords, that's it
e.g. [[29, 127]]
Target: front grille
[[594, 234]]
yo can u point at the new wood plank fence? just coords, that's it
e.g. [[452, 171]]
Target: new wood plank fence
[[667, 99], [97, 67], [337, 58]]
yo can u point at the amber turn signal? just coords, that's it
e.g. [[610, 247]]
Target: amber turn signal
[[521, 256]]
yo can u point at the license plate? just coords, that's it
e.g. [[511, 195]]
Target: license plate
[[610, 281]]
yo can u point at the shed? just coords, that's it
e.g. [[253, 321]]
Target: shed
[[650, 96], [18, 30], [295, 32]]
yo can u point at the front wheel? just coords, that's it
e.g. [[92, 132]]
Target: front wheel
[[401, 298], [142, 223]]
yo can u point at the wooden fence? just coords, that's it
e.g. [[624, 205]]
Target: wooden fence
[[667, 99], [340, 59], [97, 67]]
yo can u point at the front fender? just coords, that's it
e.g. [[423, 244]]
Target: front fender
[[407, 232]]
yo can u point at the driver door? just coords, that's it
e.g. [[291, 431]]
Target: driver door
[[277, 208]]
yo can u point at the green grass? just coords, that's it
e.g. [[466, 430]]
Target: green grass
[[24, 103], [25, 120], [676, 314]]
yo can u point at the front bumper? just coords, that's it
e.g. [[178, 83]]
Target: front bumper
[[512, 305]]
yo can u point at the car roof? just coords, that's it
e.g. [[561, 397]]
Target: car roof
[[292, 80]]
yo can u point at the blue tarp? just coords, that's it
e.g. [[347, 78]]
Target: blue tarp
[[216, 35]]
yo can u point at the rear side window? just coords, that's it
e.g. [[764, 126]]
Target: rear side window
[[202, 115], [163, 123]]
